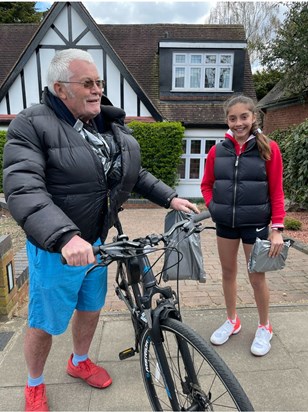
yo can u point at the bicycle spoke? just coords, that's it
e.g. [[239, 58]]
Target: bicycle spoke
[[213, 386]]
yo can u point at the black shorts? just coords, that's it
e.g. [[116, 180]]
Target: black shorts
[[248, 234]]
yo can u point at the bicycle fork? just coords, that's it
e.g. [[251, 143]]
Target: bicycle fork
[[163, 369], [190, 383]]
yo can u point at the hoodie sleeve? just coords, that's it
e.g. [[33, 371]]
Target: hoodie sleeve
[[274, 170], [209, 177]]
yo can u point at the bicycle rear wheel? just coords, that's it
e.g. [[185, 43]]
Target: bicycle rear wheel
[[201, 379]]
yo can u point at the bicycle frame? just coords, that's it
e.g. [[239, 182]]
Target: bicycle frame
[[170, 349], [179, 369], [143, 316]]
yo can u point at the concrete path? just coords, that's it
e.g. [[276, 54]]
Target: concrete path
[[276, 382]]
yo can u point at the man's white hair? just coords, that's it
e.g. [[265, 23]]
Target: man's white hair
[[59, 65]]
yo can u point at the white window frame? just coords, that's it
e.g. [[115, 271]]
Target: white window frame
[[187, 66], [188, 156]]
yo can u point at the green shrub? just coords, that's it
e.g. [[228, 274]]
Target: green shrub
[[2, 141], [293, 143], [161, 148], [292, 224]]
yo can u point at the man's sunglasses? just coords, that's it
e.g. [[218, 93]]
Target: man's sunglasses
[[89, 84]]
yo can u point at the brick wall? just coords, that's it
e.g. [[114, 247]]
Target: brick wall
[[13, 287], [283, 117]]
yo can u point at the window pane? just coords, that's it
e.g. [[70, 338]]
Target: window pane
[[194, 168], [196, 58], [180, 58], [209, 77], [210, 58], [195, 77], [184, 145], [179, 76], [208, 145], [225, 59], [195, 146], [181, 169], [224, 78]]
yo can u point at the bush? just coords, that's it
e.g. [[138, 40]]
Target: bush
[[161, 148], [2, 141], [292, 224], [293, 143]]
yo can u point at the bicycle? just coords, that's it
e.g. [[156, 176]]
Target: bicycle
[[180, 370]]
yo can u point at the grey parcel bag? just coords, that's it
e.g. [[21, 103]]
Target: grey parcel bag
[[259, 260], [191, 265]]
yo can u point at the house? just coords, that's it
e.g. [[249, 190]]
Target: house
[[282, 110], [155, 72]]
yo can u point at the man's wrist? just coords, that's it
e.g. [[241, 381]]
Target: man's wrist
[[169, 200], [279, 229]]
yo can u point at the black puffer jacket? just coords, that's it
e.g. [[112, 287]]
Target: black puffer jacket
[[54, 183]]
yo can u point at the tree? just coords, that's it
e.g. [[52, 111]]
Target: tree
[[19, 12], [288, 52], [260, 21], [265, 80]]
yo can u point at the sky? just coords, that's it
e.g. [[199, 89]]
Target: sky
[[145, 12]]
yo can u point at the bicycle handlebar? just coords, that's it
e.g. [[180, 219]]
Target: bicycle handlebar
[[116, 250], [122, 247]]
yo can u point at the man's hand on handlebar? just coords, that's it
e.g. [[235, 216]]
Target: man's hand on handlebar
[[78, 252], [183, 205]]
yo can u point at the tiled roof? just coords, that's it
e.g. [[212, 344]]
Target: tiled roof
[[280, 95], [138, 48], [14, 40]]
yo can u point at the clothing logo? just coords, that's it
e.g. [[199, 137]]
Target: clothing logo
[[260, 230]]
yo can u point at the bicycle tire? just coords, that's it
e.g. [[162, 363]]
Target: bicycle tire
[[217, 389]]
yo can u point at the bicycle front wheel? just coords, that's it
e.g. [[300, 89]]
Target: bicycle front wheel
[[201, 379]]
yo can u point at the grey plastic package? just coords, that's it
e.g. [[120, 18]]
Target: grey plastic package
[[191, 265], [259, 260]]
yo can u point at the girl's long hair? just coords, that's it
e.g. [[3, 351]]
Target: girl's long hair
[[262, 140]]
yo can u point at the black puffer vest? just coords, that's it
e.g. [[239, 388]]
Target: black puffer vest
[[240, 192]]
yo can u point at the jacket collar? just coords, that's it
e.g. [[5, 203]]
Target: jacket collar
[[107, 115]]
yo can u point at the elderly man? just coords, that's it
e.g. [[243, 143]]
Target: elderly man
[[69, 164]]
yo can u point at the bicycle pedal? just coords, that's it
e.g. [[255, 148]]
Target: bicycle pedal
[[127, 353]]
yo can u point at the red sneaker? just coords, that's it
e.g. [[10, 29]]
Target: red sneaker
[[36, 399], [93, 374]]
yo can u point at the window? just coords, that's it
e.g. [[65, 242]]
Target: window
[[194, 156], [202, 71]]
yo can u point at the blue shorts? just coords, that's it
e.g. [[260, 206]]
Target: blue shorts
[[248, 234], [56, 290]]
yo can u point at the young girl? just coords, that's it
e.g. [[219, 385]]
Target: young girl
[[242, 187]]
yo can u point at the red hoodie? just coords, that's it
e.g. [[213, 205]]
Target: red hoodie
[[274, 170]]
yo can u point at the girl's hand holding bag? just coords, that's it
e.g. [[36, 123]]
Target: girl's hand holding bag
[[259, 260]]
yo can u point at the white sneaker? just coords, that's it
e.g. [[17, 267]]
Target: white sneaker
[[261, 344], [222, 334]]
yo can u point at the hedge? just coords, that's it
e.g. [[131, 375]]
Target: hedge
[[161, 148], [293, 144]]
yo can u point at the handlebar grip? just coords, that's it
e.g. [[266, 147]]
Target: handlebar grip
[[95, 252], [201, 216]]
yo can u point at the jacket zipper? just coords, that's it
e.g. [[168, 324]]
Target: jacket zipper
[[235, 189]]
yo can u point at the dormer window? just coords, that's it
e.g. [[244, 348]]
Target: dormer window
[[204, 72]]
